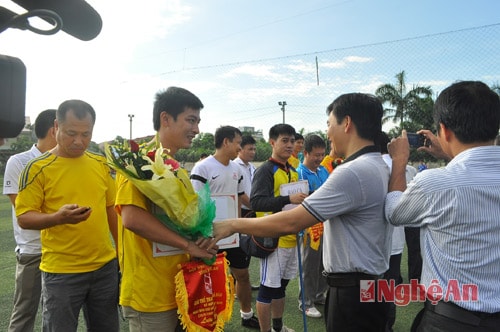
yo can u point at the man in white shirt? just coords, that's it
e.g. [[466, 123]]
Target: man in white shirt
[[28, 248], [245, 156], [224, 176]]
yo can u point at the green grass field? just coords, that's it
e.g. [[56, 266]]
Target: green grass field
[[292, 317]]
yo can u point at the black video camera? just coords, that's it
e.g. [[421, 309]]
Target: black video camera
[[80, 20]]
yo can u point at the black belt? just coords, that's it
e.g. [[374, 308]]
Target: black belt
[[452, 311], [348, 279]]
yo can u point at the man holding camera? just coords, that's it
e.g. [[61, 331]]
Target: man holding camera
[[457, 209]]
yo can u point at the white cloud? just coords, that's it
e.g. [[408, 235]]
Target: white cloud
[[261, 71], [132, 22], [358, 59], [433, 83], [302, 66], [345, 62], [333, 64]]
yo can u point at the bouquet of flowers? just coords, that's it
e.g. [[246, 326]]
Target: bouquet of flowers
[[161, 179], [337, 162]]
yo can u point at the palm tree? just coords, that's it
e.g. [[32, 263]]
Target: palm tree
[[403, 102]]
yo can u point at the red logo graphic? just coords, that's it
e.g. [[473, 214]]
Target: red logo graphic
[[403, 294], [367, 291]]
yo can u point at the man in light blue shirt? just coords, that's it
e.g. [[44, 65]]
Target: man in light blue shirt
[[457, 208], [315, 286]]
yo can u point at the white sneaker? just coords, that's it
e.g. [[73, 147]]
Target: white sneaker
[[313, 312], [284, 329]]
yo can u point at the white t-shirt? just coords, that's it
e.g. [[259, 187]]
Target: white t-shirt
[[27, 240], [248, 170], [221, 179], [398, 235]]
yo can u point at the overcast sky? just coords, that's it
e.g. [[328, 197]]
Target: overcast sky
[[149, 45]]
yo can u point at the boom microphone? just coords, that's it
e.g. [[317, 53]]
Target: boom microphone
[[79, 18]]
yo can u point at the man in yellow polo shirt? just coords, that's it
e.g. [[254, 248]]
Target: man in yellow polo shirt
[[147, 292], [68, 193]]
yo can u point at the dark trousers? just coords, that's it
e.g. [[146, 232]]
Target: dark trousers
[[345, 312], [429, 321], [393, 273], [412, 237]]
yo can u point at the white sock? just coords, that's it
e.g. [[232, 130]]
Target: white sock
[[246, 315]]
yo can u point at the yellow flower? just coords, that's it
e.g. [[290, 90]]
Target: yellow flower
[[158, 167], [132, 169]]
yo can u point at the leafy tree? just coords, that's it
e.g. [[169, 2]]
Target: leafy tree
[[94, 147], [422, 114], [404, 103], [22, 143], [202, 143], [247, 133], [263, 150]]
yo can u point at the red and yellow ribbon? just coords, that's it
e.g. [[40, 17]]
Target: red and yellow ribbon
[[204, 295]]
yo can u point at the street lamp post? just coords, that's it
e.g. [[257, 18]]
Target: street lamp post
[[131, 116], [282, 104]]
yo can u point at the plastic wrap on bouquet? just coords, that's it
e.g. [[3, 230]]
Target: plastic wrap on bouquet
[[205, 216], [159, 177]]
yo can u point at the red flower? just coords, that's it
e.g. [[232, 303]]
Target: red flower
[[151, 155], [134, 147], [175, 165], [337, 162]]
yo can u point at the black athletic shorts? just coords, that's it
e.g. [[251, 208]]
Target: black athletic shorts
[[237, 258]]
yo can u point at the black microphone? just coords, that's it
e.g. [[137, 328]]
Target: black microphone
[[79, 18], [5, 15]]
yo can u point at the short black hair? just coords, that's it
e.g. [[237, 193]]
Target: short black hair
[[247, 140], [79, 107], [470, 109], [174, 101], [223, 132], [299, 136], [44, 121], [281, 129], [365, 111], [312, 141]]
